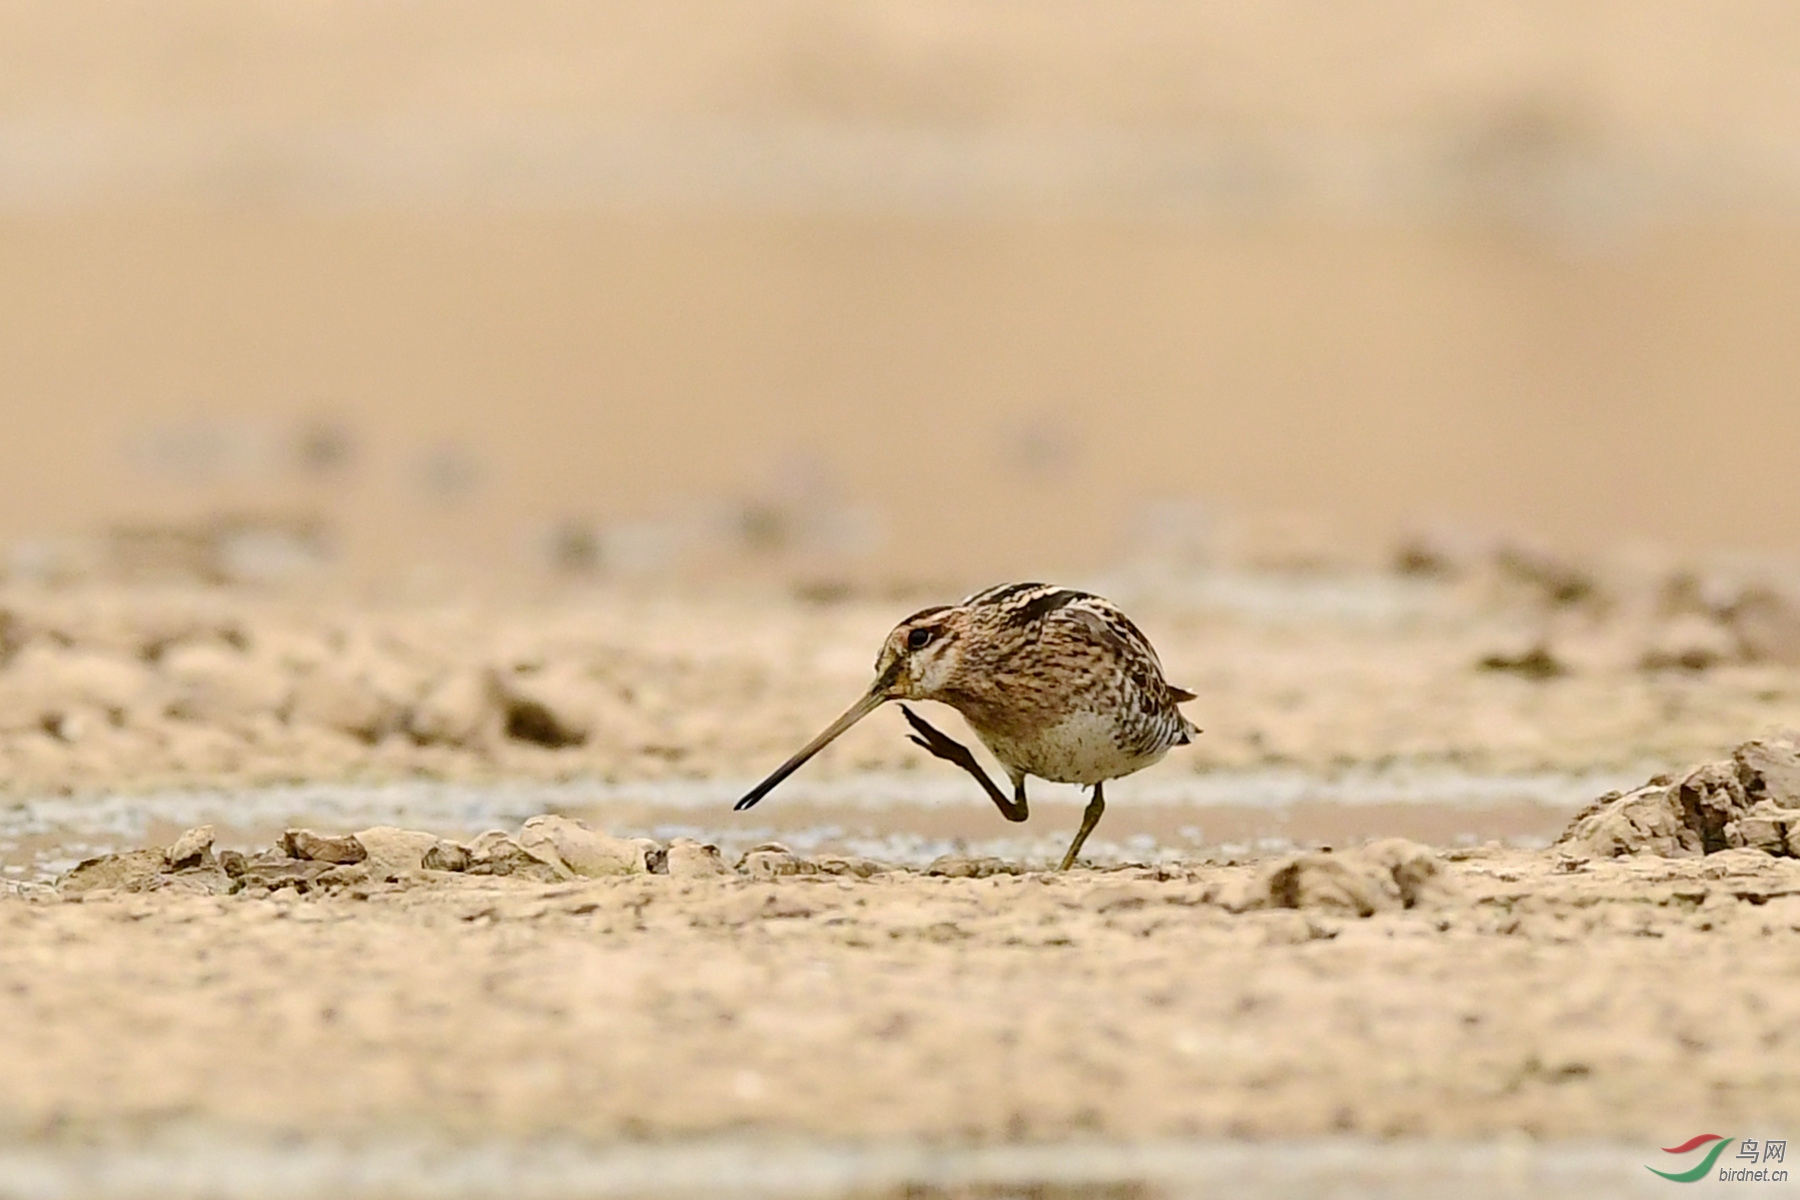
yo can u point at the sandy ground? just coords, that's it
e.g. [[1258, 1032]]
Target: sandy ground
[[1492, 663], [1521, 992], [1450, 992], [619, 306]]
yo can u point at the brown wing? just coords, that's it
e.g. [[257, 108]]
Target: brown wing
[[1107, 625]]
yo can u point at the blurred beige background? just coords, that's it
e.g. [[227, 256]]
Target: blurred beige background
[[925, 289]]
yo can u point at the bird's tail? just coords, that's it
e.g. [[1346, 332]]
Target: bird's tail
[[1185, 730]]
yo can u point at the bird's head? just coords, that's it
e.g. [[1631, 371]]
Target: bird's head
[[917, 660], [920, 656]]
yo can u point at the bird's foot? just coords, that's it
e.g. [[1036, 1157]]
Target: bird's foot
[[928, 738], [953, 751]]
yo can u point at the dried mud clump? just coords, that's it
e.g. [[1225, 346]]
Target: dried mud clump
[[187, 865], [304, 843], [772, 860], [1384, 876], [959, 866], [1546, 578], [1535, 663], [547, 849], [1731, 620], [1749, 801], [571, 845]]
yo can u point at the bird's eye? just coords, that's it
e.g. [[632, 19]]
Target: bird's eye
[[917, 638]]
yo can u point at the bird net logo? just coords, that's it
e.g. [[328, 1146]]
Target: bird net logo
[[1749, 1165]]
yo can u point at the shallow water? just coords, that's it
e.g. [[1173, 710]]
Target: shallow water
[[897, 817]]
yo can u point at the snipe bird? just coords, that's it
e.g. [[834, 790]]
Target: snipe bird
[[1056, 683]]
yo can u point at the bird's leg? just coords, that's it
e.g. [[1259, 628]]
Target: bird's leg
[[953, 751], [1089, 818]]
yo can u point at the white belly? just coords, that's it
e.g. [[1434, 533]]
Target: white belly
[[1082, 748]]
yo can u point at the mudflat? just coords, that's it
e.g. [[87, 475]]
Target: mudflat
[[1508, 666], [1561, 998], [1385, 989]]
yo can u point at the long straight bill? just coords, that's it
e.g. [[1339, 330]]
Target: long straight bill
[[857, 712]]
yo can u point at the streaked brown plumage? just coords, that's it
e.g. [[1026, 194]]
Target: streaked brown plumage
[[1055, 682]]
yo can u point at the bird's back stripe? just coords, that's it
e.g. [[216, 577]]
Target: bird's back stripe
[[1000, 593], [1040, 606]]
